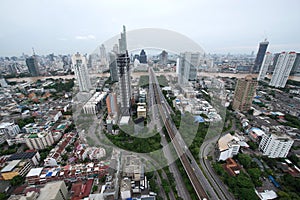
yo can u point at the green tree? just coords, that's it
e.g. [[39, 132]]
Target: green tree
[[245, 160], [17, 180]]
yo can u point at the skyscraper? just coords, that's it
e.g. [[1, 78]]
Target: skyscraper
[[113, 69], [115, 49], [260, 56], [82, 76], [123, 62], [296, 67], [264, 66], [188, 63], [102, 52], [32, 65], [244, 93], [163, 57], [283, 69], [123, 42], [143, 57]]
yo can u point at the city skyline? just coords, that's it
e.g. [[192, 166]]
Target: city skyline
[[223, 27]]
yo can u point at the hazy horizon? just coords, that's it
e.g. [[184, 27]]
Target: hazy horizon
[[66, 27]]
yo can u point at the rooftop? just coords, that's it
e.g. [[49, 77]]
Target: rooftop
[[35, 172], [50, 190], [11, 165]]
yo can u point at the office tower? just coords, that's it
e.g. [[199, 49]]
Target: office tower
[[123, 42], [244, 93], [264, 66], [296, 66], [81, 73], [123, 62], [113, 67], [177, 66], [260, 55], [275, 145], [56, 190], [143, 57], [115, 49], [163, 57], [102, 52], [282, 69], [188, 67], [32, 65]]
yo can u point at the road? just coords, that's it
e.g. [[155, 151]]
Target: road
[[188, 162], [155, 120]]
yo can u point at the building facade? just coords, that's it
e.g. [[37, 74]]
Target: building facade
[[244, 92], [143, 57], [260, 56], [40, 140], [113, 69], [123, 63], [33, 66], [81, 72], [283, 69], [275, 145], [188, 64], [265, 66]]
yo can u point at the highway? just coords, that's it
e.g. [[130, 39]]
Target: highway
[[179, 145]]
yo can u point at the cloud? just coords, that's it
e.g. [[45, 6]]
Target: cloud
[[85, 37]]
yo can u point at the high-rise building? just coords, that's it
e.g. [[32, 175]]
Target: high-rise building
[[296, 66], [113, 69], [244, 93], [163, 57], [102, 52], [275, 145], [188, 67], [123, 42], [265, 66], [143, 57], [260, 56], [283, 69], [82, 76], [32, 65], [115, 49], [123, 64]]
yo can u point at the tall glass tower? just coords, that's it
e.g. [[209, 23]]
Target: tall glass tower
[[260, 56]]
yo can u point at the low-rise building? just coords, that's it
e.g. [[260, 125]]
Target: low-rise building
[[15, 168], [228, 146], [141, 110]]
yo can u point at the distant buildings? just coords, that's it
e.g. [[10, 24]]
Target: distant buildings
[[244, 93], [81, 72], [8, 130], [264, 66], [143, 57], [163, 57], [113, 69], [32, 65], [188, 67], [283, 67], [296, 67], [260, 56], [115, 49], [275, 145]]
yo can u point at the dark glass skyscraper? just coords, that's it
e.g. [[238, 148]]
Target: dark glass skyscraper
[[260, 56], [32, 65], [143, 57]]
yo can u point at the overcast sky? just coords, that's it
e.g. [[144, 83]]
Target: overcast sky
[[218, 26]]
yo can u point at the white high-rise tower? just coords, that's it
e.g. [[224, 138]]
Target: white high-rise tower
[[268, 58], [81, 73], [282, 69]]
